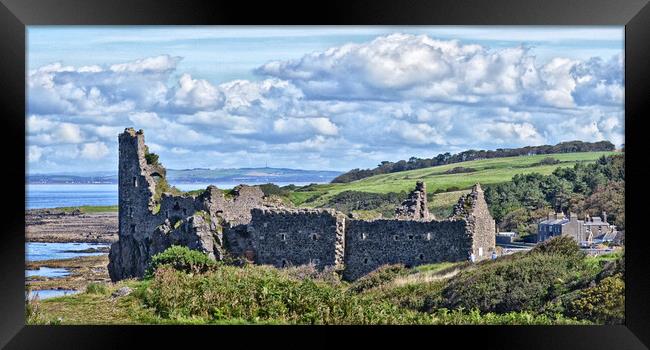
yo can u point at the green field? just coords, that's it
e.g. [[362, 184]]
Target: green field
[[88, 209], [488, 171]]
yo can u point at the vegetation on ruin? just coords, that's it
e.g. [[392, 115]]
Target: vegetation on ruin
[[549, 285], [181, 258], [151, 158]]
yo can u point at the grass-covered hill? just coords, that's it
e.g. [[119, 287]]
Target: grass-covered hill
[[443, 178]]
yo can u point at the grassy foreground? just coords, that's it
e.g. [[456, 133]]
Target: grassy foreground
[[553, 284]]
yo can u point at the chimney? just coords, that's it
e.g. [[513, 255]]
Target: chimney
[[573, 217], [550, 215], [604, 216]]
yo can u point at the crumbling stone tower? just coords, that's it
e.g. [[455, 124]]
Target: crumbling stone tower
[[151, 221], [415, 205]]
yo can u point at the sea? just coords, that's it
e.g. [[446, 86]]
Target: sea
[[73, 195]]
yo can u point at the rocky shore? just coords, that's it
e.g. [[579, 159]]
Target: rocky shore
[[52, 225], [82, 270]]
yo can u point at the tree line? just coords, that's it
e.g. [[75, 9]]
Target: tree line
[[585, 189], [386, 167]]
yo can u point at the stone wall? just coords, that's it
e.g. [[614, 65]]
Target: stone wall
[[370, 244], [242, 223], [286, 237]]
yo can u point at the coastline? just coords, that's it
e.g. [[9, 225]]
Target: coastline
[[86, 224], [62, 225]]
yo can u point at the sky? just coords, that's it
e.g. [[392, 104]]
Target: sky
[[321, 98]]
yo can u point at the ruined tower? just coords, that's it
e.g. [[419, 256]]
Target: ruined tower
[[151, 221], [136, 188], [415, 205]]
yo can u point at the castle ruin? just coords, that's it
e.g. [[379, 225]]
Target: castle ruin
[[244, 223]]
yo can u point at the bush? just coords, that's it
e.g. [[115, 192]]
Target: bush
[[421, 297], [96, 288], [460, 170], [273, 189], [182, 259], [378, 277], [525, 282], [262, 294], [151, 158], [603, 303], [562, 245], [548, 161]]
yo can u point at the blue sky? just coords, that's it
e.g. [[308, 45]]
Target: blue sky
[[315, 97]]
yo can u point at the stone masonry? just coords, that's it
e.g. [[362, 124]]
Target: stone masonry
[[415, 205], [243, 223]]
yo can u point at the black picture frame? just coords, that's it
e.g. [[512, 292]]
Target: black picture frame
[[15, 15]]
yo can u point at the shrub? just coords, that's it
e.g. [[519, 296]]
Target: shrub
[[96, 288], [378, 277], [182, 259], [548, 161], [562, 245], [262, 294], [460, 170], [603, 303], [273, 189], [525, 282], [421, 297], [151, 158]]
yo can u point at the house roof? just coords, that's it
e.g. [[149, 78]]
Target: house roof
[[554, 222]]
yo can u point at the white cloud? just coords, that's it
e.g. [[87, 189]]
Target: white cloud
[[158, 64], [68, 133], [34, 153], [196, 94], [318, 125], [94, 150]]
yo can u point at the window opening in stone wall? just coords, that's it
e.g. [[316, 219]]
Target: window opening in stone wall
[[132, 228], [365, 260], [184, 211], [395, 237], [135, 181], [176, 206], [421, 256], [363, 236], [283, 237], [284, 262], [410, 236], [314, 237]]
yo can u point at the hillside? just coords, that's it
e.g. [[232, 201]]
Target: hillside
[[437, 179], [413, 163]]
